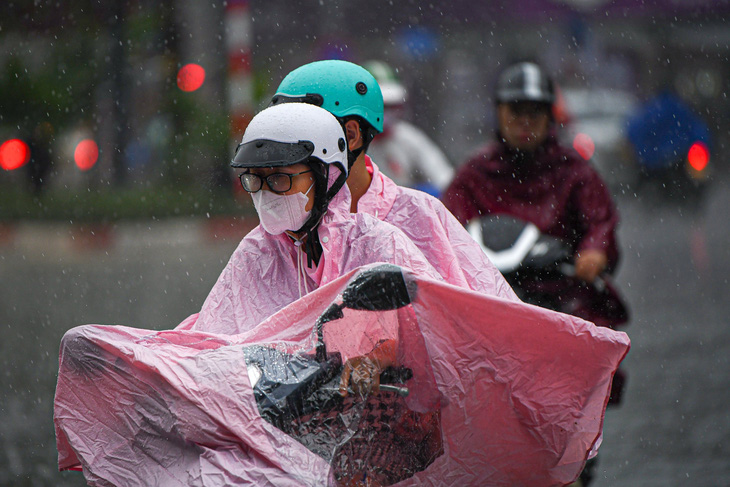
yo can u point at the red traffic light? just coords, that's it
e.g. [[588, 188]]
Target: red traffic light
[[14, 153], [190, 77], [698, 156], [86, 154]]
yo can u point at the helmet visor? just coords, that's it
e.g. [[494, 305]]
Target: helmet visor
[[270, 153], [310, 98]]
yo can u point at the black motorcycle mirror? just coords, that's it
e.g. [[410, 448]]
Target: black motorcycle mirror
[[381, 288]]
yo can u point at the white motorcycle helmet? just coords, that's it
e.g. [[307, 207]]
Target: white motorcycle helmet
[[292, 133], [287, 134]]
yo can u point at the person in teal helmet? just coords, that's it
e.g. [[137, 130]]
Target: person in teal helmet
[[353, 96]]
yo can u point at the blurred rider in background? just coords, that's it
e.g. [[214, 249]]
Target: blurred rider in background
[[405, 153], [671, 145], [525, 173]]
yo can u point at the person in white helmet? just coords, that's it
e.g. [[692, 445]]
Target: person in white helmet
[[141, 407], [406, 154], [180, 407], [293, 162]]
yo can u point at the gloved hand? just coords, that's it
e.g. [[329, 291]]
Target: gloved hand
[[362, 374], [589, 264]]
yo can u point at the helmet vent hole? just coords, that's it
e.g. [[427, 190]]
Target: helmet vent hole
[[324, 151], [361, 88], [341, 144], [337, 103]]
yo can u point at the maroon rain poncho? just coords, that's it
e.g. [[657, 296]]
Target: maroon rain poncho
[[558, 192]]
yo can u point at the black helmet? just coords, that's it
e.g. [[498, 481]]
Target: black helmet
[[525, 82]]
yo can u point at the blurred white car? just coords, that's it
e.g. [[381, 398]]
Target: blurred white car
[[596, 129]]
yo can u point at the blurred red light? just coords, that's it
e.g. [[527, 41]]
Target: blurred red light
[[584, 145], [14, 153], [86, 154], [190, 77], [698, 156]]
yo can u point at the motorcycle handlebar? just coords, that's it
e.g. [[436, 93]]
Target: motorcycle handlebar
[[569, 270], [402, 391]]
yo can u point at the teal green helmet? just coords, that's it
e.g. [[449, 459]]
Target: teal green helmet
[[342, 88]]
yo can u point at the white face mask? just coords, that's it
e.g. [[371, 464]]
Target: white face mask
[[281, 212]]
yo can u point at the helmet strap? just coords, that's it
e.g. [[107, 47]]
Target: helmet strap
[[352, 156], [322, 197], [312, 247], [367, 132], [336, 185]]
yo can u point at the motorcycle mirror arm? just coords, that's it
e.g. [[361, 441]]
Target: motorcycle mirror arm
[[334, 312], [381, 288]]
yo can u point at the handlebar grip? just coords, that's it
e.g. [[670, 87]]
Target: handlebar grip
[[402, 391], [396, 375], [569, 270]]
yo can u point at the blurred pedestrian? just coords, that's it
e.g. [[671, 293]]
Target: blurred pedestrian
[[406, 154]]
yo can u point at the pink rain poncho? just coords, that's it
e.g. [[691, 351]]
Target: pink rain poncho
[[436, 232], [267, 272], [502, 393], [242, 296]]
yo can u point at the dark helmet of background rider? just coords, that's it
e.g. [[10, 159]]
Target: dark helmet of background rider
[[526, 82]]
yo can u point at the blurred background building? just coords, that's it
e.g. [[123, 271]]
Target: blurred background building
[[113, 74]]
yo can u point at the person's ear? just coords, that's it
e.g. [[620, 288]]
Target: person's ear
[[354, 134]]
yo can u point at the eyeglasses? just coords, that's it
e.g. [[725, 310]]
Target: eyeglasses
[[279, 182]]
